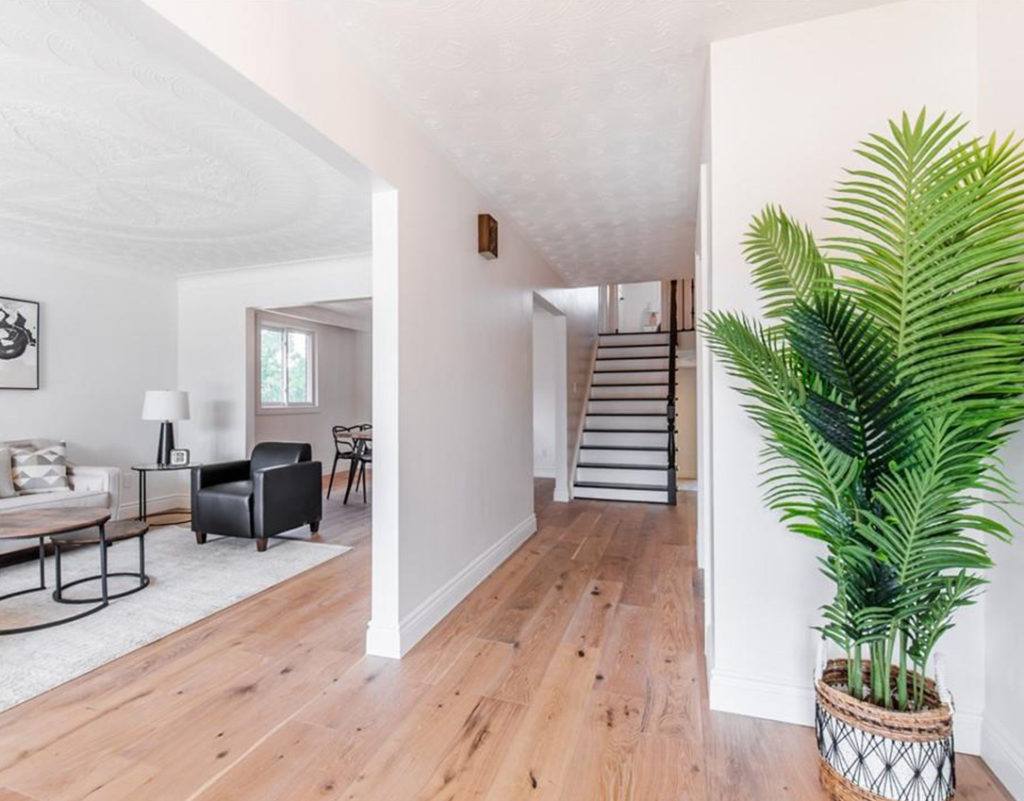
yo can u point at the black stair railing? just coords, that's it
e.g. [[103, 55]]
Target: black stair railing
[[670, 410]]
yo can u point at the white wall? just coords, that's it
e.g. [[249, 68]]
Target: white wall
[[216, 353], [343, 383], [1000, 108], [465, 371], [787, 108], [544, 393], [636, 302], [105, 338]]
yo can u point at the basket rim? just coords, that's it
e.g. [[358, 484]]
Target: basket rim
[[930, 724]]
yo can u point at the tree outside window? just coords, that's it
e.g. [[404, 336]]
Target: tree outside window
[[287, 365]]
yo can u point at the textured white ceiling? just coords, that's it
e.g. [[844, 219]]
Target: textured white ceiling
[[112, 153], [581, 119]]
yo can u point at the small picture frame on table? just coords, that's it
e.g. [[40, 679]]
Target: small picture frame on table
[[180, 457]]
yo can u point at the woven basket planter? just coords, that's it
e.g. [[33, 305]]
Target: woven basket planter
[[874, 754]]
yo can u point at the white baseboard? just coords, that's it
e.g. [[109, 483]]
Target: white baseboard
[[392, 642], [154, 504], [793, 703], [545, 472], [1004, 755]]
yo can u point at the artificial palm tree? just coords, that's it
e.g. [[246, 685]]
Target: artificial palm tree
[[886, 377]]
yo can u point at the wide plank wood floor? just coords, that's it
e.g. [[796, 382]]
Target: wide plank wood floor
[[573, 673]]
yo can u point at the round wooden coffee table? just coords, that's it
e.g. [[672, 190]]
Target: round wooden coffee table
[[42, 523]]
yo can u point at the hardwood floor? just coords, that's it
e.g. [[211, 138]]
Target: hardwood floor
[[573, 673]]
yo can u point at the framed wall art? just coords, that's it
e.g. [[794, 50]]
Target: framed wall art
[[19, 344]]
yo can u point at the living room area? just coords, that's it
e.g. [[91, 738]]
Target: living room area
[[162, 229]]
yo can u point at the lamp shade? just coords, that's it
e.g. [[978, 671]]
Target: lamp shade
[[165, 404]]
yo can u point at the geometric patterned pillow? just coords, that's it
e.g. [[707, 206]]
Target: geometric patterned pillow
[[37, 470]]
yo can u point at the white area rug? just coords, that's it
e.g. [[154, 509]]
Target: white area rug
[[187, 583]]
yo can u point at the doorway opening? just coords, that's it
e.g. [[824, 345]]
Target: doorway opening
[[550, 410]]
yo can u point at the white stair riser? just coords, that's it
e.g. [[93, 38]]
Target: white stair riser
[[637, 352], [652, 440], [653, 391], [645, 496], [658, 423], [633, 364], [635, 339], [612, 475], [603, 379], [632, 406], [652, 458]]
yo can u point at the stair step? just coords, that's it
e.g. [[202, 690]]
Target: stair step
[[622, 448], [630, 406], [627, 438], [627, 414], [655, 345], [638, 370], [614, 485], [631, 422], [600, 490], [622, 466], [643, 456]]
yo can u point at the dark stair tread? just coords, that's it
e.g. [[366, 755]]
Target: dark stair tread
[[610, 485], [628, 358], [638, 370], [636, 333], [644, 384], [612, 466], [638, 398], [622, 448], [651, 345], [626, 414]]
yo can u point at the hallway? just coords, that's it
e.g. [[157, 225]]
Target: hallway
[[574, 672]]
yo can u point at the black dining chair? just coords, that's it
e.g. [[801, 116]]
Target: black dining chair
[[344, 448], [362, 457]]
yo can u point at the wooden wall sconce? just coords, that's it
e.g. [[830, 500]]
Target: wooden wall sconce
[[487, 236]]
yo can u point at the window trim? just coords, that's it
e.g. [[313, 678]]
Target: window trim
[[287, 407]]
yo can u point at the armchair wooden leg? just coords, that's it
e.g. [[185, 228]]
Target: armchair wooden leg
[[314, 527], [261, 544], [201, 538]]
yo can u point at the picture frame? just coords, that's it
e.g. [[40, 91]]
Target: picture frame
[[19, 343], [180, 457]]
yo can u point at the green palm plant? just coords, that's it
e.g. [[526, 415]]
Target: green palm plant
[[887, 375]]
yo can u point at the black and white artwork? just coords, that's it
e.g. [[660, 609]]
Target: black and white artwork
[[19, 344]]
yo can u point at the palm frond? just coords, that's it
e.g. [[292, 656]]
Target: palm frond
[[787, 264]]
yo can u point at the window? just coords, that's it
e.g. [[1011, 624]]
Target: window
[[287, 368]]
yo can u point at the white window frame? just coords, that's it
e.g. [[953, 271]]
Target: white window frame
[[287, 407]]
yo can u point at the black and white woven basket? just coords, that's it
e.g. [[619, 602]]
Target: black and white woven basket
[[874, 754]]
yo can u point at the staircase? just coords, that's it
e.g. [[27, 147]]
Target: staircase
[[628, 448]]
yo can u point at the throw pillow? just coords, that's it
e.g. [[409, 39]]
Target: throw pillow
[[6, 481], [39, 469]]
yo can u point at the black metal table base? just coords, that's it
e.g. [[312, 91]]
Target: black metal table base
[[104, 599], [58, 593]]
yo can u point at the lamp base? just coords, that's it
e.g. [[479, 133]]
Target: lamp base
[[163, 451]]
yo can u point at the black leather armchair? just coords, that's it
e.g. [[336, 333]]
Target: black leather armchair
[[278, 489]]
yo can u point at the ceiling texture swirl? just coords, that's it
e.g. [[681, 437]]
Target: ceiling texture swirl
[[112, 153]]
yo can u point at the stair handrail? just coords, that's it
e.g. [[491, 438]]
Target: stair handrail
[[671, 407]]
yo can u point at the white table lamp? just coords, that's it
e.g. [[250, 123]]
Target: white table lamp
[[167, 406]]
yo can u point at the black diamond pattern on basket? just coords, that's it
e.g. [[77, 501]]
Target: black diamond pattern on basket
[[889, 768]]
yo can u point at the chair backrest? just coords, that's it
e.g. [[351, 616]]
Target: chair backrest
[[343, 442], [275, 454]]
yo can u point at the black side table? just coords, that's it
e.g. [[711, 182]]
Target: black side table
[[144, 470]]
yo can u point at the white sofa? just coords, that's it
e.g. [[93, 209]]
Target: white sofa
[[89, 486]]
